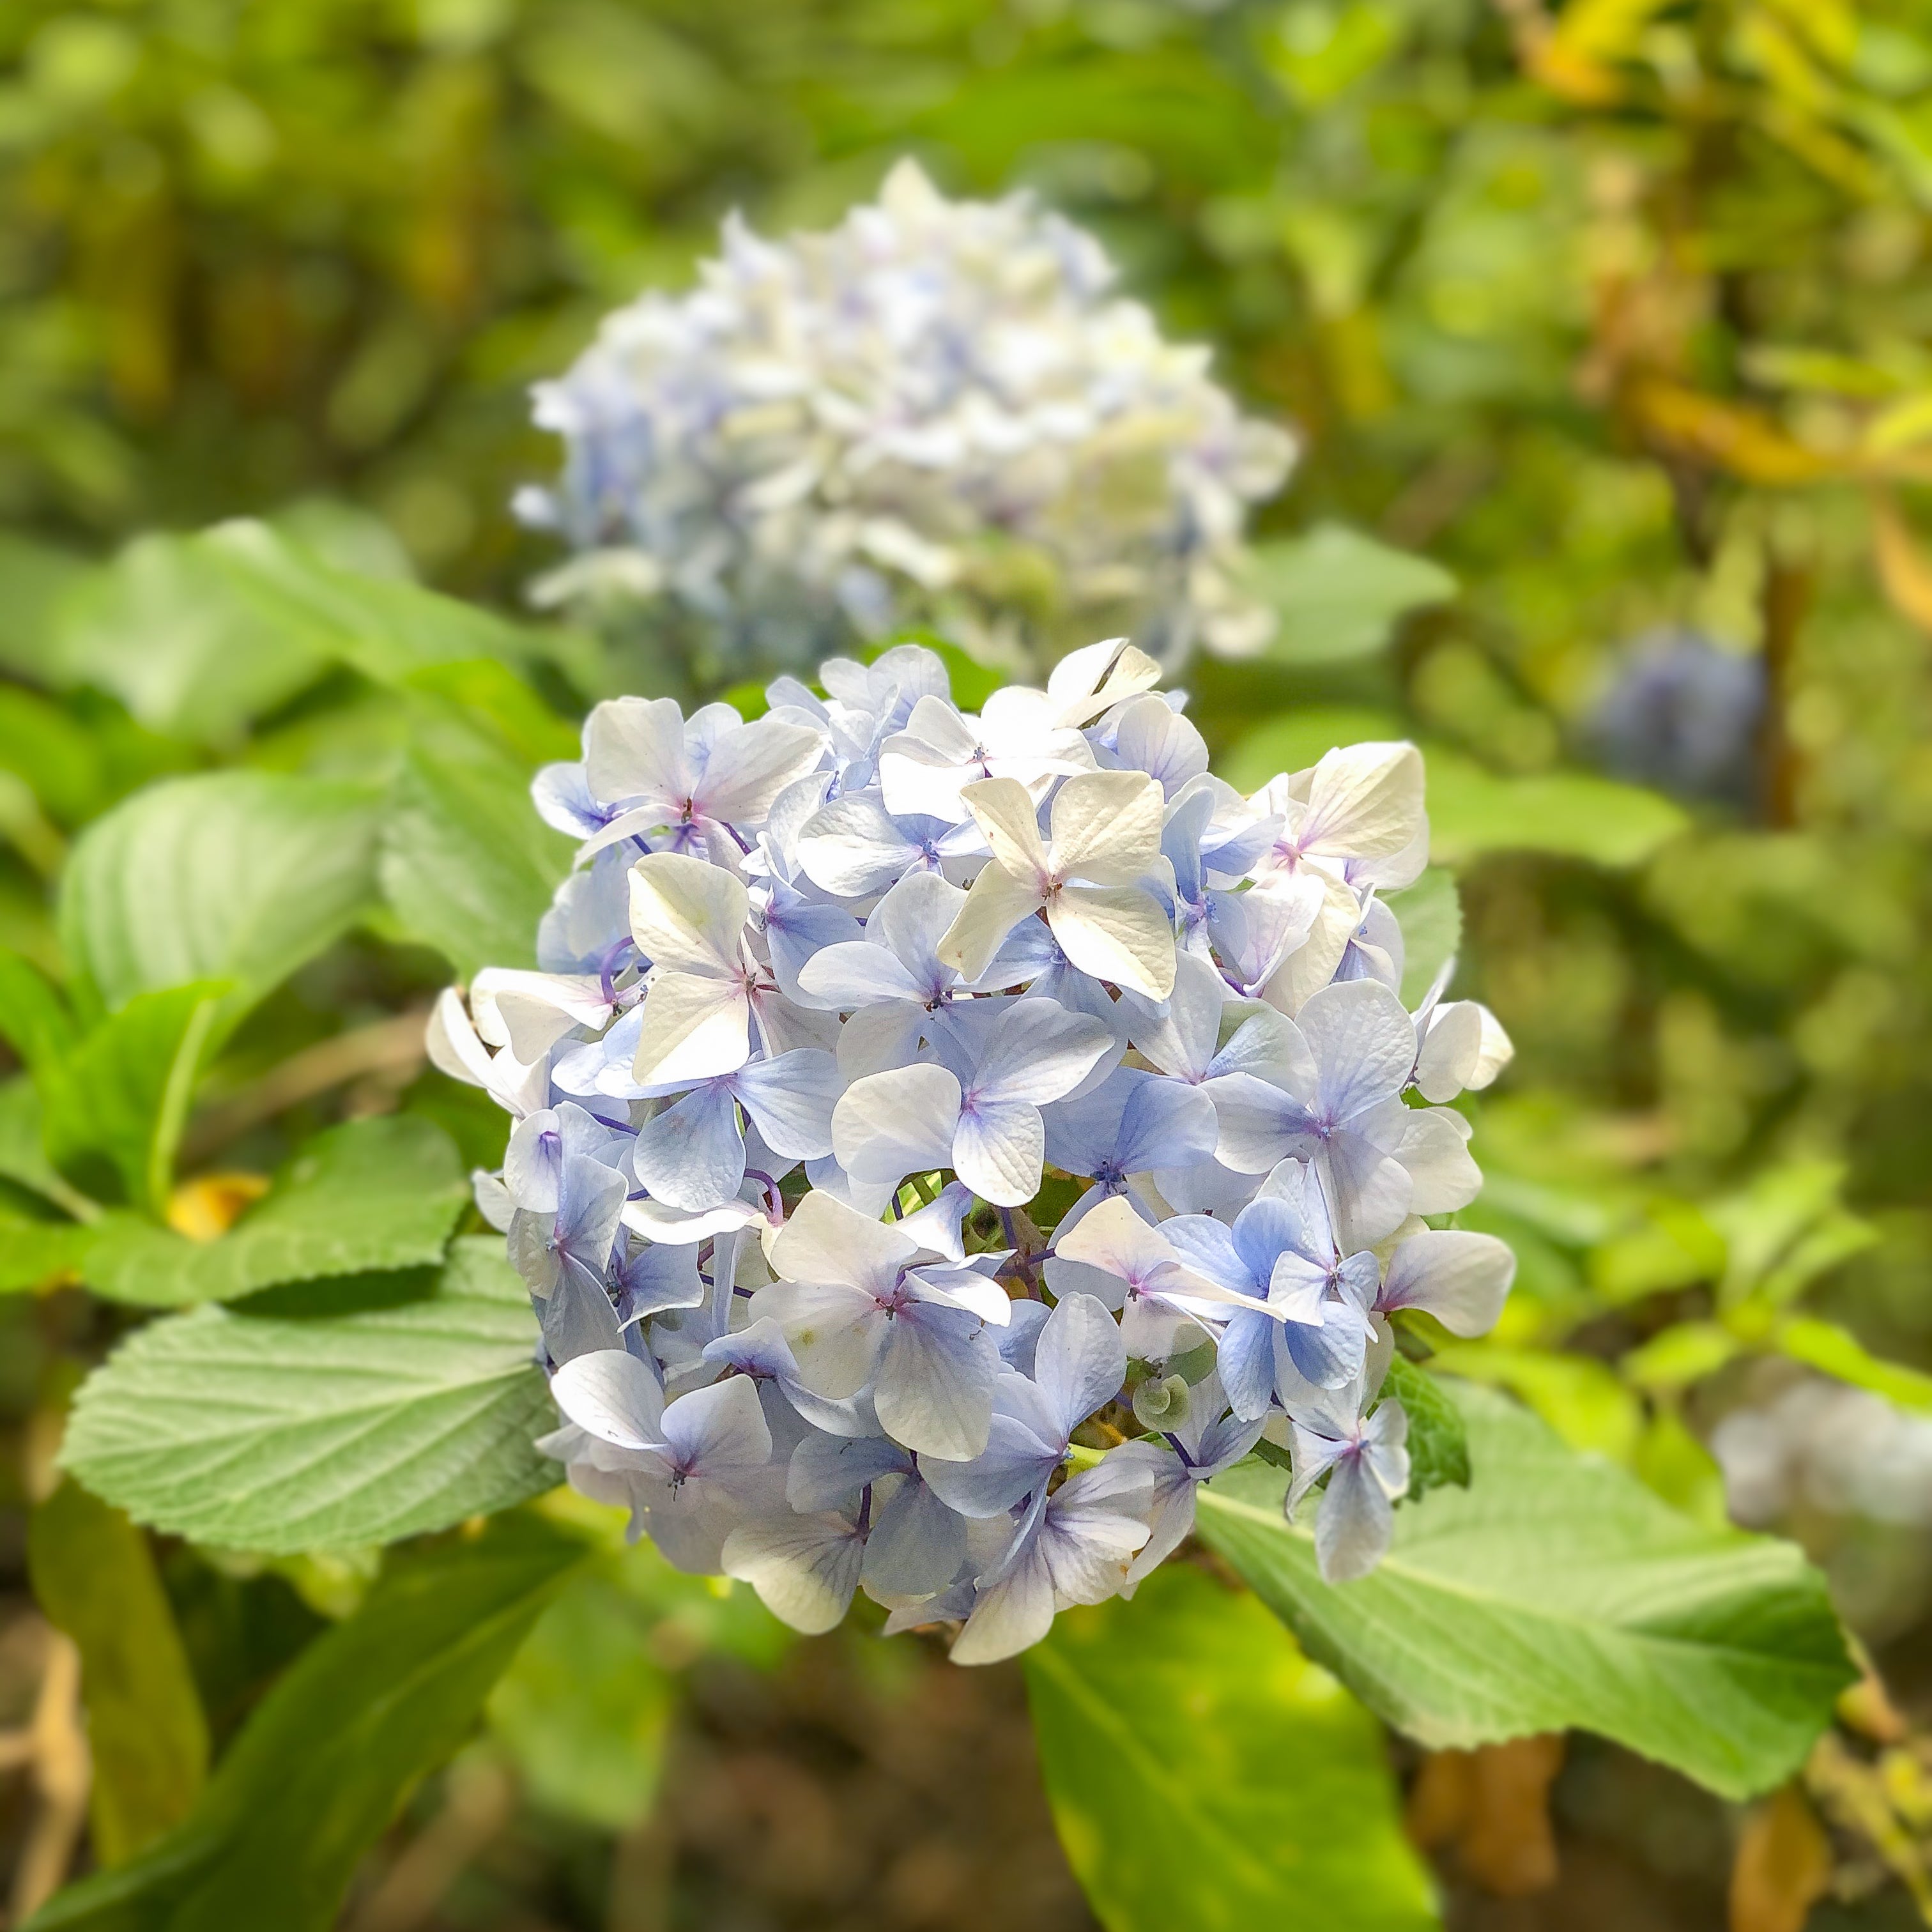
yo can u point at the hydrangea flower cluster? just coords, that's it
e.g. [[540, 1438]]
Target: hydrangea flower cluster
[[843, 1007], [937, 412]]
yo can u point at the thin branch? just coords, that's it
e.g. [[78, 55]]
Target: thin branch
[[392, 1048], [480, 1800], [62, 1774]]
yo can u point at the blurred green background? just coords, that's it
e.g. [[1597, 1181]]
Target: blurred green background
[[1620, 313]]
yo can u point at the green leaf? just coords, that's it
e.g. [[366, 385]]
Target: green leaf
[[200, 635], [1182, 1738], [35, 580], [1571, 815], [383, 625], [169, 627], [467, 866], [278, 1434], [584, 1708], [1430, 914], [242, 876], [33, 1253], [1583, 1399], [1337, 594], [326, 1761], [1833, 1351], [367, 1194], [1557, 1592], [1438, 1439], [56, 756], [34, 1020], [113, 1110], [95, 1578]]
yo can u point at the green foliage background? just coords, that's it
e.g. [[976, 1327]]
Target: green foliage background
[[1617, 313]]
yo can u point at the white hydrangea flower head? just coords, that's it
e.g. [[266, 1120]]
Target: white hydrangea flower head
[[943, 1141], [937, 412]]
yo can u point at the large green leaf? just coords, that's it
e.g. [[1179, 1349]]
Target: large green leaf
[[199, 635], [1337, 594], [23, 1154], [1571, 815], [1430, 914], [584, 1707], [1204, 1775], [168, 628], [241, 876], [279, 1433], [371, 1194], [467, 866], [1557, 1591], [324, 1764], [112, 1109], [94, 1577]]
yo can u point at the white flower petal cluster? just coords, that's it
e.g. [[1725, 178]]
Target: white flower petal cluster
[[843, 1007], [937, 412]]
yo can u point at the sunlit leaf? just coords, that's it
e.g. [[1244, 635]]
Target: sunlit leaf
[[279, 1433], [371, 1194], [242, 876], [1555, 1592], [1569, 814], [1337, 594], [112, 1110], [467, 866], [1430, 914], [1181, 1736], [1834, 1351]]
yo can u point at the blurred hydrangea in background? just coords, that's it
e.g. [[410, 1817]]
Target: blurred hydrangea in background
[[936, 412], [1685, 714]]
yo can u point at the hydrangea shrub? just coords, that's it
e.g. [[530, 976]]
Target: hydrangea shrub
[[938, 412], [828, 997]]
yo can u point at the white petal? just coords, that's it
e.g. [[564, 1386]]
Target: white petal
[[998, 1150], [613, 1396], [1455, 1276], [1450, 1050], [1363, 1042], [826, 1240], [900, 1122], [634, 747], [852, 848], [1437, 1156], [694, 1027], [1354, 1525], [1106, 827], [721, 1431], [1080, 1360], [1092, 679], [1010, 1615], [1117, 933], [834, 1331], [687, 914], [804, 1568], [1034, 1050], [996, 904], [1365, 802], [750, 765], [1006, 814], [934, 1384]]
